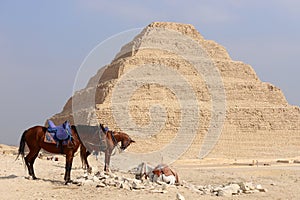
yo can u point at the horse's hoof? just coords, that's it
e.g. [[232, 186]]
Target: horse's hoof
[[68, 182], [89, 170]]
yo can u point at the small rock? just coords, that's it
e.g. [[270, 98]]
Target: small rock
[[159, 191], [137, 185], [110, 182], [101, 175], [111, 175], [224, 193], [246, 186], [96, 179], [248, 191], [88, 182], [260, 188], [179, 196], [284, 161], [125, 186], [229, 190], [102, 185], [85, 175], [194, 188], [79, 180]]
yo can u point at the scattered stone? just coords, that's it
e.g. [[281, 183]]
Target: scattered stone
[[179, 197], [102, 185], [246, 186], [96, 179], [88, 182], [125, 186], [159, 191], [284, 161], [229, 190], [260, 188], [103, 180], [137, 185]]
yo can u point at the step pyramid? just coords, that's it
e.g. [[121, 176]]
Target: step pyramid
[[170, 88]]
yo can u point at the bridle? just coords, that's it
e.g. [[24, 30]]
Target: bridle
[[115, 141]]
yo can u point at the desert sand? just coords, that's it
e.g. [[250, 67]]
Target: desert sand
[[280, 180]]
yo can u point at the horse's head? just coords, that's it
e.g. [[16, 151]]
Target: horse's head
[[159, 169], [126, 141], [143, 169], [157, 172], [140, 171]]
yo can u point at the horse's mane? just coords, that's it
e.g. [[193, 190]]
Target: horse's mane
[[102, 127]]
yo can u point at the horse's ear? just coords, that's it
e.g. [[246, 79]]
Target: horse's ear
[[65, 124], [132, 141]]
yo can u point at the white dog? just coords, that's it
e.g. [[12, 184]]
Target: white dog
[[161, 173]]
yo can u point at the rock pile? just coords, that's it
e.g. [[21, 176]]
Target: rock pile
[[107, 180]]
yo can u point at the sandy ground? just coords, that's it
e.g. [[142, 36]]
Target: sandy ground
[[282, 180]]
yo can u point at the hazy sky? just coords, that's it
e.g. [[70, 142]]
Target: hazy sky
[[43, 44]]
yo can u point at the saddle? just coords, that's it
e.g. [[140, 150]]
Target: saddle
[[56, 134]]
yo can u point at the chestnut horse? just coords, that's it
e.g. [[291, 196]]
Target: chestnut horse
[[34, 138], [111, 138]]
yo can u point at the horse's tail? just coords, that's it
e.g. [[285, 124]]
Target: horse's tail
[[83, 151], [21, 150], [83, 156]]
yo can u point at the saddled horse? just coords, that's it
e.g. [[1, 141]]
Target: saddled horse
[[34, 137], [111, 140]]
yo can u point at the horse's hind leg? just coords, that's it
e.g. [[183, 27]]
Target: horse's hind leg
[[89, 169], [29, 160]]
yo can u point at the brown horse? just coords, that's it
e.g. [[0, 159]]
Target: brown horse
[[112, 138], [34, 138]]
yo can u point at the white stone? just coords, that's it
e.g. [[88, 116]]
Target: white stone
[[246, 186], [137, 185], [125, 186], [102, 185], [179, 196]]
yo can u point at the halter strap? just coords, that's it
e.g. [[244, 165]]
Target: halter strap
[[113, 138], [115, 141]]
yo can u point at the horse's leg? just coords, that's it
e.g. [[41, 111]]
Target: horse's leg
[[28, 166], [87, 153], [89, 169], [69, 160], [107, 160], [84, 153], [85, 163], [29, 160]]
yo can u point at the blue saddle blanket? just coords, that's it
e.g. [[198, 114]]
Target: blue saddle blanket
[[59, 133]]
